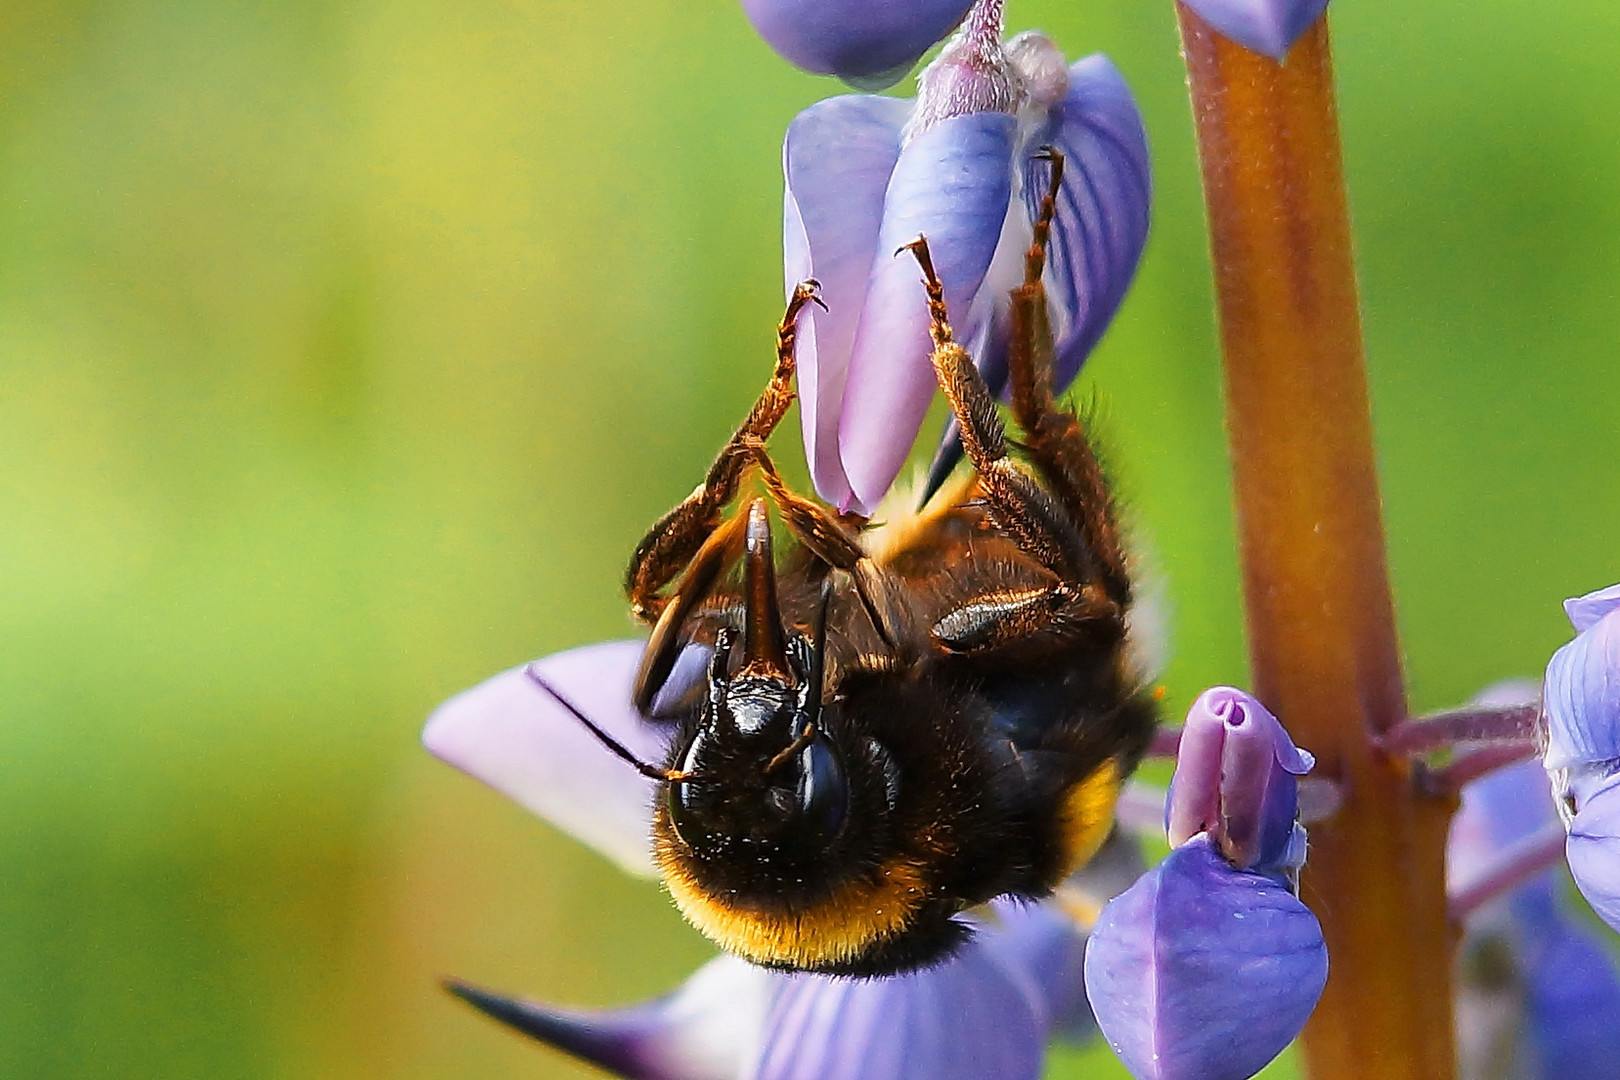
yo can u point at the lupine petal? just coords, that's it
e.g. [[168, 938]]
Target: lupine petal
[[966, 1019], [1047, 941], [1264, 26], [1594, 851], [1235, 778], [854, 39], [952, 183], [1572, 1005], [1203, 972], [709, 1029], [513, 736], [836, 163], [1103, 207], [1582, 694], [1584, 611], [1049, 947]]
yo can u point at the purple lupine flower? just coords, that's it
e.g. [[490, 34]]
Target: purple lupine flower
[[865, 175], [1581, 698], [1209, 965], [1014, 985], [1264, 26], [1538, 997], [866, 44]]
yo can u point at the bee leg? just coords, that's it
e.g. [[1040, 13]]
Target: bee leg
[[1019, 506], [664, 646], [828, 539], [1053, 436], [674, 540]]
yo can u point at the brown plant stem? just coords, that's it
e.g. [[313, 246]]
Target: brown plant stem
[[1320, 620]]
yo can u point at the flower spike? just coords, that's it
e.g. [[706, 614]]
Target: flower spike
[[1269, 27]]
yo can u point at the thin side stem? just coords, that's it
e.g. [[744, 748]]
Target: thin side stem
[[1321, 622], [1515, 723], [1511, 868], [1449, 779]]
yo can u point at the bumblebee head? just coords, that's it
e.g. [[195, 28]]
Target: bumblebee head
[[772, 831]]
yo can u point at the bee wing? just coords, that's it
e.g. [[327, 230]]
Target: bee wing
[[510, 734]]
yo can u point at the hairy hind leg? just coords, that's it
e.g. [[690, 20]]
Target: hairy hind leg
[[1030, 515], [1056, 441]]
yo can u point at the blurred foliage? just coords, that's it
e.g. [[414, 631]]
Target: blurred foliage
[[348, 347]]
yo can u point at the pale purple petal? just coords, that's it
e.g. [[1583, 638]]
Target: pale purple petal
[[1572, 1005], [836, 162], [1584, 611], [1235, 778], [1264, 26], [1049, 947], [854, 39], [1498, 810], [709, 1029], [966, 1019], [952, 183], [1104, 206], [1203, 972], [513, 736], [1594, 851], [1582, 696]]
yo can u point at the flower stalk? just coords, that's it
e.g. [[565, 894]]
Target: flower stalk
[[1321, 625]]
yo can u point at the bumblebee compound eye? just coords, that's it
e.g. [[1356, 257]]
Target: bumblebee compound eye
[[822, 797]]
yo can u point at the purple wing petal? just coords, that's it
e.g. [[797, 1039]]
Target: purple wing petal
[[1202, 972], [1584, 611], [854, 39], [966, 1019], [1594, 851], [953, 184], [1264, 26], [836, 163], [709, 1029], [1582, 697], [516, 738], [1104, 207]]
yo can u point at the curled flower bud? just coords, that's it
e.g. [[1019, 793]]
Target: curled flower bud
[[1236, 779], [870, 45], [1209, 965], [1264, 26]]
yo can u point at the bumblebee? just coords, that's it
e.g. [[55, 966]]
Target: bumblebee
[[890, 723]]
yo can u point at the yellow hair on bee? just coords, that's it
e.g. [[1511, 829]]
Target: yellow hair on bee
[[1088, 814], [837, 930]]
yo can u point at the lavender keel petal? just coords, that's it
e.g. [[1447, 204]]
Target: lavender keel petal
[[836, 163], [952, 183]]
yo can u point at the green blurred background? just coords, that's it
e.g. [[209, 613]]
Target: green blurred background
[[348, 347]]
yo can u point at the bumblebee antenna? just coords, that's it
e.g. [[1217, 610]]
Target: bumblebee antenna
[[651, 772]]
